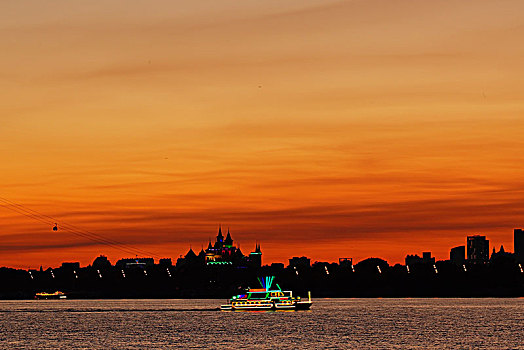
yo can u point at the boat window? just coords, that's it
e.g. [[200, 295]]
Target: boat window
[[260, 295]]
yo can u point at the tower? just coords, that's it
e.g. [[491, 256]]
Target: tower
[[228, 242], [255, 258], [220, 237], [478, 249], [518, 244], [457, 255]]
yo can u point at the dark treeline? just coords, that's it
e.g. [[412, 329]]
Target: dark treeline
[[372, 277]]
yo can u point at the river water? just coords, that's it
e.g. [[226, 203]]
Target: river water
[[197, 324]]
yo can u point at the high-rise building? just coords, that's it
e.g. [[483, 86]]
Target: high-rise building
[[518, 244], [457, 255], [478, 249]]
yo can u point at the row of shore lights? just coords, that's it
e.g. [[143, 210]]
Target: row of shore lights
[[99, 273], [436, 270], [296, 271], [327, 271], [407, 269]]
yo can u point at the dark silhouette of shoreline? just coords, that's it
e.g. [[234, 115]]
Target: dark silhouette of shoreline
[[223, 270], [497, 279]]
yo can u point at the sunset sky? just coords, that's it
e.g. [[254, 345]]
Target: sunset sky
[[318, 127]]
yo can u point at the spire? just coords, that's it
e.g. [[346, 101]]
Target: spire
[[220, 237], [501, 249], [209, 246], [229, 241]]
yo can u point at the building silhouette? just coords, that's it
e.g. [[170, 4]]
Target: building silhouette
[[165, 262], [415, 259], [222, 253], [71, 266], [457, 255], [503, 258], [518, 244], [101, 262], [299, 262], [412, 259], [255, 258], [427, 258], [478, 249]]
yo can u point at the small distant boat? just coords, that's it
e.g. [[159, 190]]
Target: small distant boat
[[267, 298], [55, 295]]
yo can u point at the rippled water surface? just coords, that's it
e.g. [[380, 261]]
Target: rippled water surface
[[330, 324]]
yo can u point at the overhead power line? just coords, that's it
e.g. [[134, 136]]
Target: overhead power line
[[67, 227]]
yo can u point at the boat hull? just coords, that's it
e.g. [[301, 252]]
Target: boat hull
[[265, 298], [302, 305], [47, 296], [50, 297]]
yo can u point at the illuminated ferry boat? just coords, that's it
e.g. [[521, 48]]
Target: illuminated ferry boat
[[55, 295], [267, 298]]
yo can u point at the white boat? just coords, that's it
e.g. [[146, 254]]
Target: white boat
[[55, 295], [267, 298]]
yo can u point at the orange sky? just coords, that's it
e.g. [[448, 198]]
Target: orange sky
[[320, 128]]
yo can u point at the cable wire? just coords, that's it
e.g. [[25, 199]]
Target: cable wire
[[28, 212]]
